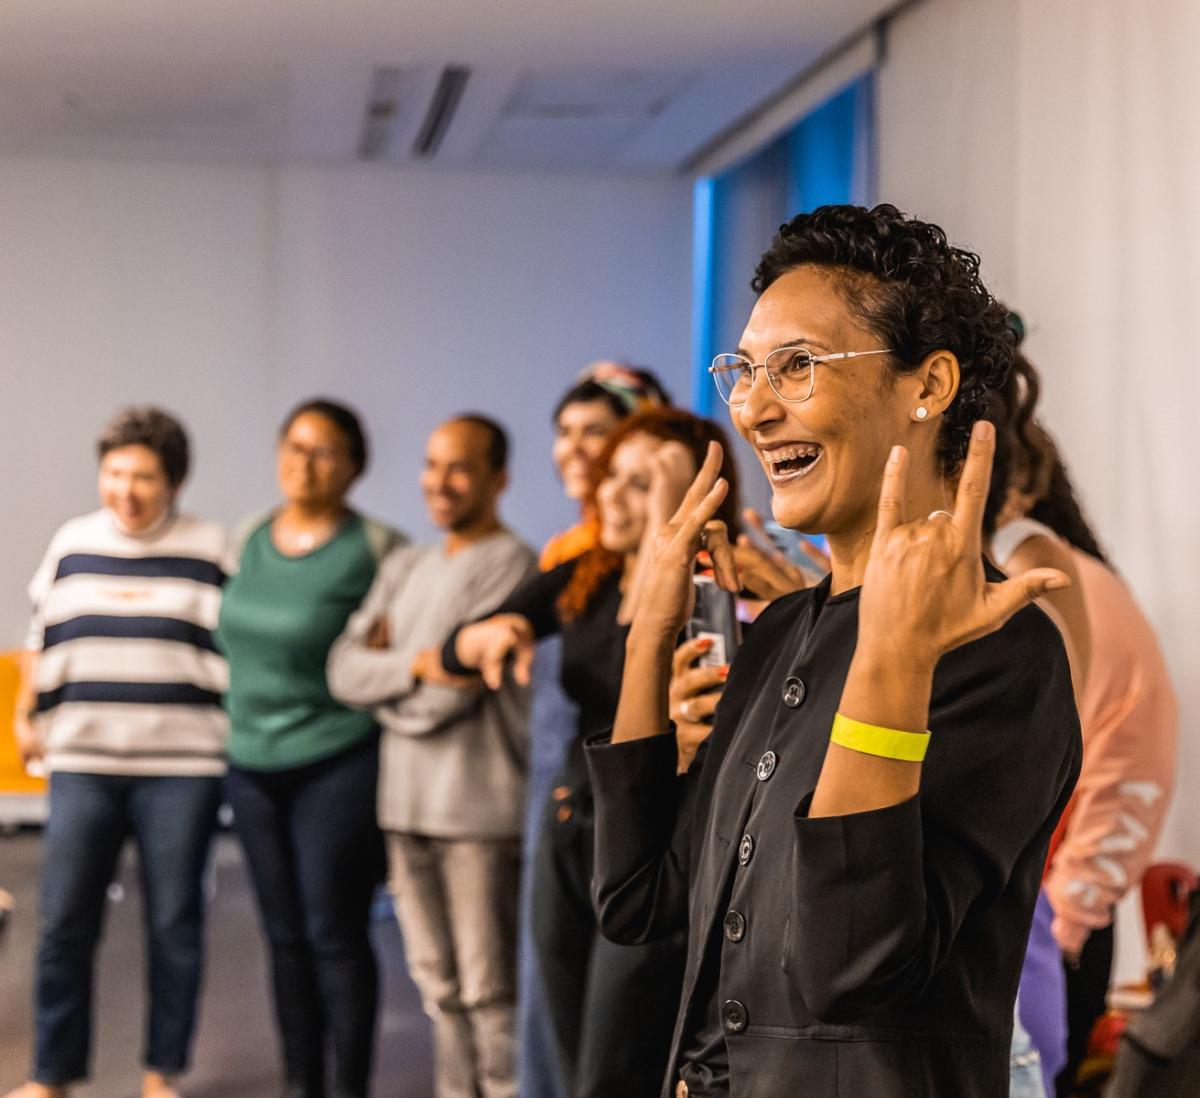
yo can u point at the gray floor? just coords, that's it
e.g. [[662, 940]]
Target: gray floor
[[235, 1054]]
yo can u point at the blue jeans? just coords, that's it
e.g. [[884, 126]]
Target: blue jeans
[[315, 856], [552, 727], [171, 820], [1025, 1066]]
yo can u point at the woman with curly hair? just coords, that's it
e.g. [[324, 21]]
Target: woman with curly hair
[[856, 850], [610, 1005]]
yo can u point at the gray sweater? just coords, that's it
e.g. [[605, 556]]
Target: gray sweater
[[453, 759]]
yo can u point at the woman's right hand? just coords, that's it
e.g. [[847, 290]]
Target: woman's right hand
[[488, 645], [693, 697]]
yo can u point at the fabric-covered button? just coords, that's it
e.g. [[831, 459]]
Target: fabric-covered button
[[735, 926], [793, 692], [733, 1016], [745, 850], [766, 765]]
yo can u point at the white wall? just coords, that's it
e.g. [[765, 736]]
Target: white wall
[[1062, 142], [228, 294]]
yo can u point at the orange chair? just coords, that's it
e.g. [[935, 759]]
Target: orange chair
[[22, 797]]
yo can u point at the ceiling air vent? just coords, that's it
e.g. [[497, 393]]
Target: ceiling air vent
[[446, 97], [382, 109]]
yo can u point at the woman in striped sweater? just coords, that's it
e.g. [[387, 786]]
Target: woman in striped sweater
[[122, 701]]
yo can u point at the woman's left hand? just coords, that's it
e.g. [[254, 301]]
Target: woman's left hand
[[924, 592], [693, 697]]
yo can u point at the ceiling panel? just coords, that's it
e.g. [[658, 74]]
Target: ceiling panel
[[619, 85]]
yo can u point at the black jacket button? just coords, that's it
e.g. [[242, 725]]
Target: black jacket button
[[733, 1016], [735, 926], [745, 850], [793, 692], [766, 765]]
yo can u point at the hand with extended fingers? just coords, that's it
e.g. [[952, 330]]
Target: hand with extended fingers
[[924, 592], [666, 602], [764, 570], [672, 469], [489, 645]]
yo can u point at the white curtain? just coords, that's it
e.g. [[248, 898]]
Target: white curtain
[[1061, 139]]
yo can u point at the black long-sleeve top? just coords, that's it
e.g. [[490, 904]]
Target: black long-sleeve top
[[593, 651], [873, 955]]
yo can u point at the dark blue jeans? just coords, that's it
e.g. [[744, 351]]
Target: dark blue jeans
[[316, 855], [171, 821], [552, 724]]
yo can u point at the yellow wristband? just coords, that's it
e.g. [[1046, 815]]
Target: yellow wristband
[[887, 743]]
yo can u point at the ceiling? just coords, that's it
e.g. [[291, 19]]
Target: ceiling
[[588, 85]]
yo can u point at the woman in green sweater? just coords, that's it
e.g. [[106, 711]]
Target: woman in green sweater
[[303, 767]]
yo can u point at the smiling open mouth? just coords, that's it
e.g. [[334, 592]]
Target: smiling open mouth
[[792, 462]]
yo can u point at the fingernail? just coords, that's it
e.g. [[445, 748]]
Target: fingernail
[[984, 429], [725, 672], [704, 643], [894, 456], [1058, 583]]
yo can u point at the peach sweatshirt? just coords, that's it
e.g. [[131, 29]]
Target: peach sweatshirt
[[1130, 720]]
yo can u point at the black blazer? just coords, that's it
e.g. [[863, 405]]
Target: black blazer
[[875, 955]]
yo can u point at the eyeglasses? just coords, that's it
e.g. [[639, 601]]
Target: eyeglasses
[[789, 372], [318, 455]]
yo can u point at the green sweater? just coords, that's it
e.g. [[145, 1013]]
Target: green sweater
[[279, 617]]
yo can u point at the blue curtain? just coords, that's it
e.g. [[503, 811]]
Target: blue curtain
[[827, 157]]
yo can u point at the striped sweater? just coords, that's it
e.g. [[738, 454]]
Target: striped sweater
[[129, 679]]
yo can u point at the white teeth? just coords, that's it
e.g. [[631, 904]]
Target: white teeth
[[792, 453]]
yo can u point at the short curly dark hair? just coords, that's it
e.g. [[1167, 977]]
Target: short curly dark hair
[[156, 430], [904, 280]]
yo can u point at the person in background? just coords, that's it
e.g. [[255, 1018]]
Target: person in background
[[611, 1006], [584, 419], [303, 766], [602, 396], [1127, 709], [121, 698], [453, 762]]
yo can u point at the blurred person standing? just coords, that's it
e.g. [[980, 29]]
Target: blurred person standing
[[121, 698], [585, 417], [454, 758], [303, 766], [1127, 708], [611, 1006], [603, 395]]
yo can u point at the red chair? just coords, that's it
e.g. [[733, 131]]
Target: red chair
[[1166, 887]]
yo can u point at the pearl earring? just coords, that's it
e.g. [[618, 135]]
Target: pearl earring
[[921, 412]]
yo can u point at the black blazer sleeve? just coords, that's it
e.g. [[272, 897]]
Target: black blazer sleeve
[[643, 837], [536, 600], [647, 816], [883, 896]]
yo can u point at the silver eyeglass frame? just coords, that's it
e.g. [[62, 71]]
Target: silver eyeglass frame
[[813, 360]]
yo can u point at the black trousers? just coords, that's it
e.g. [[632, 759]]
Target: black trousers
[[1087, 990], [315, 856], [612, 1007]]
